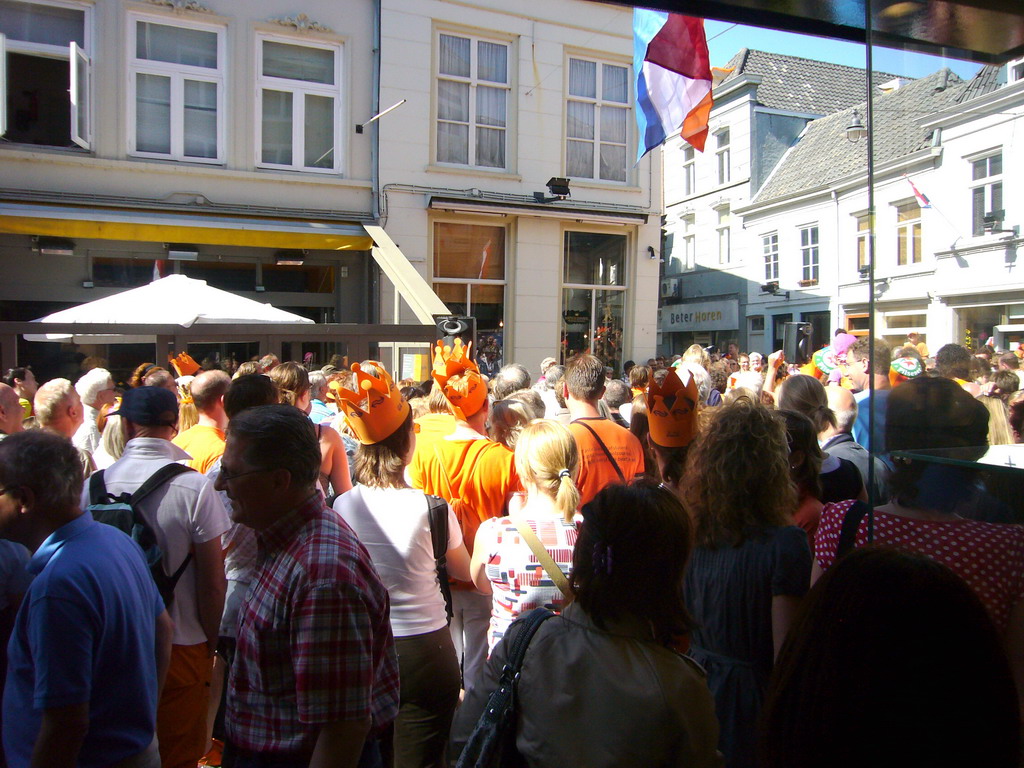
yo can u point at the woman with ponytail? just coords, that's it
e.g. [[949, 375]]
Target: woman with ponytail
[[840, 478], [503, 563]]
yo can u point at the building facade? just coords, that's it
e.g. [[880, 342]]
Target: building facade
[[714, 269], [234, 143]]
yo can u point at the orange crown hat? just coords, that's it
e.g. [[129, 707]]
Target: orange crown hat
[[672, 410], [377, 409], [468, 393], [183, 364]]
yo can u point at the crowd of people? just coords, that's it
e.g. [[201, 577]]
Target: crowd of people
[[330, 567]]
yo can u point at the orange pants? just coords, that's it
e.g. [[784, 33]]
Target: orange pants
[[181, 713]]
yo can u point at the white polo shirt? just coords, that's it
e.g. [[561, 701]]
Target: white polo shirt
[[186, 510]]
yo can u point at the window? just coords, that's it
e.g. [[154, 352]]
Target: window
[[908, 234], [45, 74], [1015, 69], [177, 90], [809, 254], [756, 323], [863, 233], [689, 241], [770, 247], [722, 154], [298, 105], [593, 296], [724, 236], [986, 192], [596, 123], [472, 101], [688, 171], [469, 276]]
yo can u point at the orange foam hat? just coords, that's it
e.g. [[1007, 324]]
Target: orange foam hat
[[469, 393], [377, 409], [672, 410], [183, 364]]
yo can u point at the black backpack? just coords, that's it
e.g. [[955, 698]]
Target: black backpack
[[122, 512], [437, 509]]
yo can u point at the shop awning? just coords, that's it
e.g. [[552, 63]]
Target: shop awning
[[201, 229], [156, 227]]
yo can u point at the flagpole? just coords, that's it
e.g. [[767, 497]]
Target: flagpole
[[869, 66]]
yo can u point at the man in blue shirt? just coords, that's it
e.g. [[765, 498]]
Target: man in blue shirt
[[92, 640], [866, 361]]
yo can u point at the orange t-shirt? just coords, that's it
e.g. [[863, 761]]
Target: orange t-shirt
[[595, 470], [204, 444], [479, 473]]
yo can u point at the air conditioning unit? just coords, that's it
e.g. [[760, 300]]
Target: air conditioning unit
[[671, 288]]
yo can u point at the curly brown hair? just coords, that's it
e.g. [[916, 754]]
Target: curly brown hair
[[737, 476]]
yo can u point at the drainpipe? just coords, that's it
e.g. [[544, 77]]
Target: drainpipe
[[372, 270], [838, 259]]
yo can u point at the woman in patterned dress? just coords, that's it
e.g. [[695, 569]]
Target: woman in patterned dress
[[547, 462]]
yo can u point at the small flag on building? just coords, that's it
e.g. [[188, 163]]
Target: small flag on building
[[673, 78], [923, 201]]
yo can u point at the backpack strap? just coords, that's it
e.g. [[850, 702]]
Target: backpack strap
[[582, 423], [97, 488], [517, 650], [851, 522], [437, 517], [155, 480]]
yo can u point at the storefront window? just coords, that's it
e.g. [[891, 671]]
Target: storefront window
[[469, 276], [593, 297]]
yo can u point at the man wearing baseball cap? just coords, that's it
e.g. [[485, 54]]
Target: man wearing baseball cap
[[188, 518]]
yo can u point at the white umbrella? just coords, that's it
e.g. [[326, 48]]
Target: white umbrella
[[171, 300]]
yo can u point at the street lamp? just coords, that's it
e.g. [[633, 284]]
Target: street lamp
[[856, 130]]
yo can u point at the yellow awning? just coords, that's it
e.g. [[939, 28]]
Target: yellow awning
[[197, 229]]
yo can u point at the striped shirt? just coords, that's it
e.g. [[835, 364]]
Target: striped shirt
[[314, 637]]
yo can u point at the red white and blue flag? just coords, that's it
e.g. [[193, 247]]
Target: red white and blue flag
[[922, 200], [673, 78]]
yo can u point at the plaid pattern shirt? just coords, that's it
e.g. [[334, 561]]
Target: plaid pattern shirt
[[314, 637]]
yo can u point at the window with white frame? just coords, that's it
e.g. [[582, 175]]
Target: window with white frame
[[298, 104], [722, 155], [908, 233], [472, 101], [594, 296], [1015, 70], [724, 234], [986, 191], [689, 241], [176, 81], [689, 177], [809, 254], [597, 120], [863, 234], [45, 73], [770, 248]]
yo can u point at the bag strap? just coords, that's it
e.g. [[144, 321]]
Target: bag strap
[[157, 479], [97, 488], [582, 423], [851, 522], [437, 517], [517, 653], [543, 557]]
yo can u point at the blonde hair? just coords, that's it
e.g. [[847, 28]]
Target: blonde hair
[[292, 381], [508, 417], [999, 431], [695, 353], [548, 459], [112, 439]]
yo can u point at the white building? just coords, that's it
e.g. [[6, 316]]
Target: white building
[[501, 98], [225, 141], [713, 267], [940, 272]]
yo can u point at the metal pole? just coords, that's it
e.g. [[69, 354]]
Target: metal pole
[[869, 66]]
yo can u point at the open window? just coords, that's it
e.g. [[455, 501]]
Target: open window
[[44, 74]]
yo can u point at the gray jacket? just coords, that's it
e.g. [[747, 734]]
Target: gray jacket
[[601, 698], [843, 446]]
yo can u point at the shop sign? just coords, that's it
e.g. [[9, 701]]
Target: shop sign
[[701, 316]]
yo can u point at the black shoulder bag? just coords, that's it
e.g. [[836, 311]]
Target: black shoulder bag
[[437, 516], [851, 522], [493, 741]]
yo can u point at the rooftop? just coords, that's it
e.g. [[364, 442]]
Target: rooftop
[[802, 85], [824, 155]]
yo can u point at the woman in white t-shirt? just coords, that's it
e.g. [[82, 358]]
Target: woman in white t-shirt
[[392, 521], [503, 564]]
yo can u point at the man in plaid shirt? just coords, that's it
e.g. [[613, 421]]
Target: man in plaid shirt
[[315, 677]]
